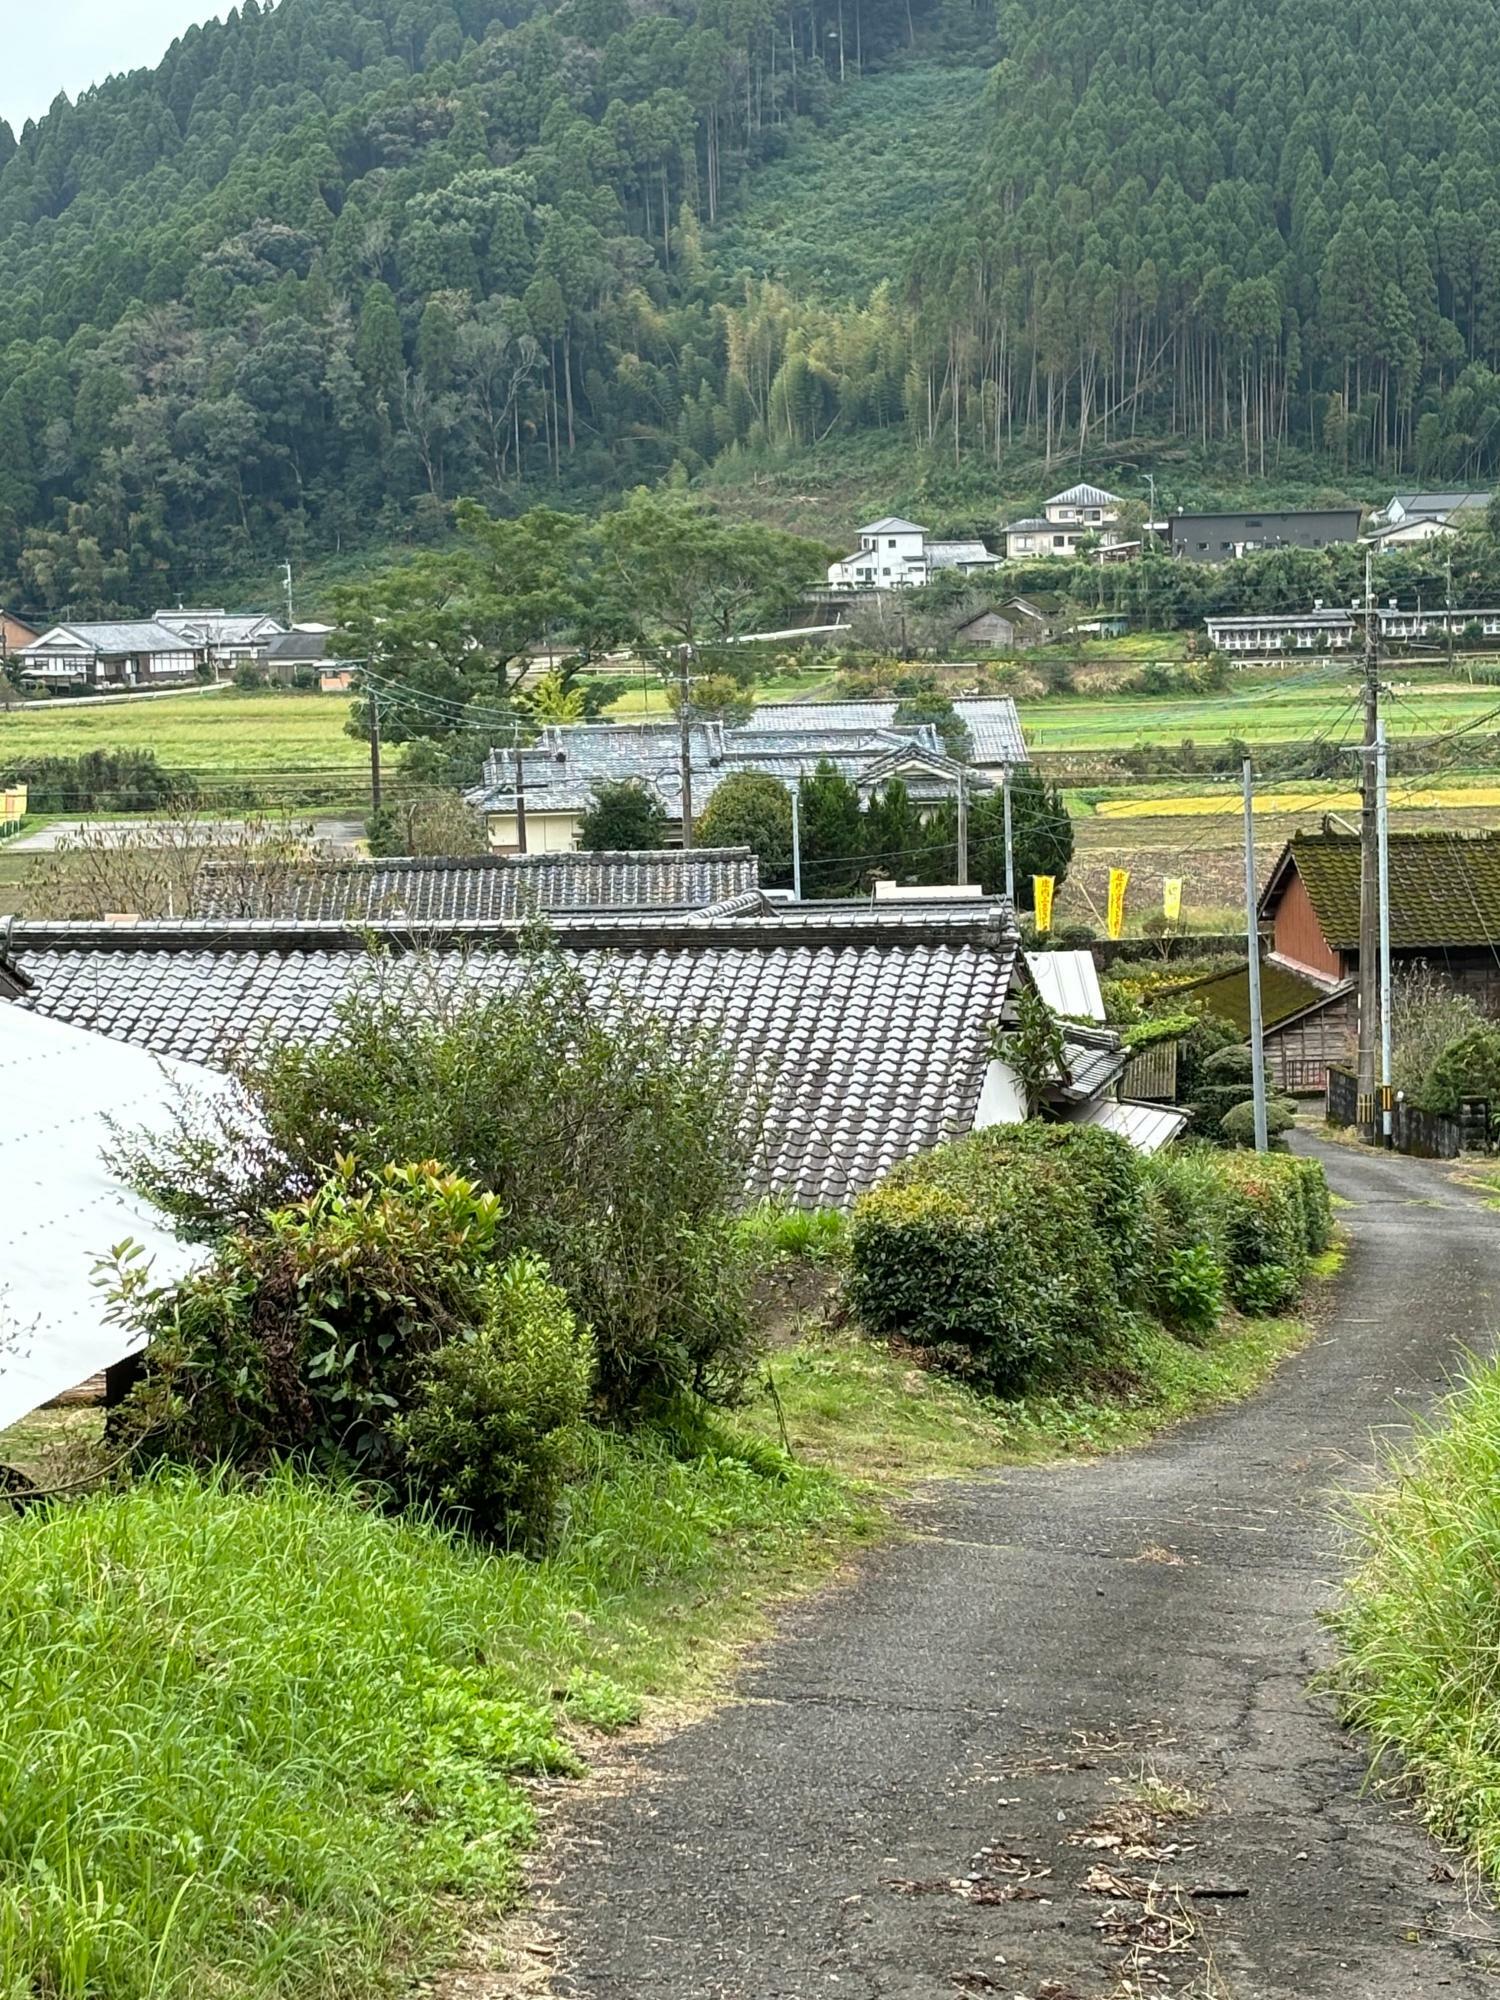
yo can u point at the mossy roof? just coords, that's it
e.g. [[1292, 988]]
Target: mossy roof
[[1282, 994], [1445, 887]]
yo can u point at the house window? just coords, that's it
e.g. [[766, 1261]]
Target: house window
[[1059, 541], [1250, 523], [890, 541], [1095, 515], [1203, 548]]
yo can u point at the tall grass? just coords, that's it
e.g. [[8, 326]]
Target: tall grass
[[1420, 1619], [257, 1742]]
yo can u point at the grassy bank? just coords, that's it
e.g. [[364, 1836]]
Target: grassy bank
[[274, 1742], [1420, 1621]]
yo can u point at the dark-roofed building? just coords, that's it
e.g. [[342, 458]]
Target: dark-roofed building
[[866, 1034], [1216, 538], [221, 638], [1445, 915], [122, 653], [563, 769], [993, 723], [478, 889], [306, 647]]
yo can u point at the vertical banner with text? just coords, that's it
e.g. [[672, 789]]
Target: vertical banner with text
[[1171, 898], [1042, 887], [1115, 922]]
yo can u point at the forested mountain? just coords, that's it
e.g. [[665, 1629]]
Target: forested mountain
[[344, 257], [335, 263]]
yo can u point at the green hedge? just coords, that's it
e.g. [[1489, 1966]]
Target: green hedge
[[1020, 1252], [983, 1251]]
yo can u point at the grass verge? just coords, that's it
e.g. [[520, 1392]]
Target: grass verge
[[1419, 1623], [271, 1742]]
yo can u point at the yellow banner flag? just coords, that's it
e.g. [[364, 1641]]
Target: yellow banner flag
[[1115, 924], [1171, 898], [1042, 887]]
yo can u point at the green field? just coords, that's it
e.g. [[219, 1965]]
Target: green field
[[281, 741]]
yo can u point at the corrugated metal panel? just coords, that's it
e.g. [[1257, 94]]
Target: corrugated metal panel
[[1148, 1127], [1069, 983]]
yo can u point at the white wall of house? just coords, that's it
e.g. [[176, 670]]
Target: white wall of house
[[1002, 1101], [546, 832]]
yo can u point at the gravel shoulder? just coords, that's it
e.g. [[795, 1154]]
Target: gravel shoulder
[[1058, 1744]]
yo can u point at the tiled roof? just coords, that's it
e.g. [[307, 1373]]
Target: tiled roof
[[219, 628], [1283, 995], [992, 721], [564, 767], [951, 555], [140, 635], [1029, 526], [866, 1031], [1083, 495], [478, 889], [1445, 888], [892, 524], [1095, 1057]]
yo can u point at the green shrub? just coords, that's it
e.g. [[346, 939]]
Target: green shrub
[[1468, 1067], [1237, 1126], [984, 1252], [618, 1148], [308, 1337], [1265, 1230], [490, 1427], [1188, 1292], [1109, 1178]]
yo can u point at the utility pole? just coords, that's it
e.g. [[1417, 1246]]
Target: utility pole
[[287, 568], [1384, 823], [685, 742], [963, 831], [374, 701], [1448, 620], [1010, 851], [1369, 870], [520, 796], [1252, 930], [796, 842]]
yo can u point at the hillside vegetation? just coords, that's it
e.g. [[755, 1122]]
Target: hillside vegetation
[[332, 264]]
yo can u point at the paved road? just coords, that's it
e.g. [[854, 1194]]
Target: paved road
[[990, 1691], [342, 834]]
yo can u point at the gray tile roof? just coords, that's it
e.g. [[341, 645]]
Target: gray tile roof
[[499, 888], [992, 721], [866, 1033], [568, 761], [1095, 1058], [952, 555], [1082, 495], [139, 635]]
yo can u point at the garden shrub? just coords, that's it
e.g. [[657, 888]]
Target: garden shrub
[[1467, 1067], [983, 1252], [1108, 1176], [368, 1328], [1188, 1292], [1266, 1230], [617, 1147], [1237, 1126], [490, 1427]]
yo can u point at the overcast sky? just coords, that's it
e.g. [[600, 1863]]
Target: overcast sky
[[53, 45]]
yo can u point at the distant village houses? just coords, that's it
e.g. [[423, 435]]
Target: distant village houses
[[1079, 512], [894, 554], [1409, 518], [1221, 537], [125, 653]]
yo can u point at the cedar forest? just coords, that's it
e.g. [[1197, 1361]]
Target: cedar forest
[[335, 264]]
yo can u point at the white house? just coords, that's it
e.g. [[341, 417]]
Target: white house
[[1272, 632], [1395, 624], [131, 653], [1066, 518], [897, 555]]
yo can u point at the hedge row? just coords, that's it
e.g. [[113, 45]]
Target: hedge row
[[1019, 1253]]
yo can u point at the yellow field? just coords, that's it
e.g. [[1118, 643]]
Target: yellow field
[[1228, 802]]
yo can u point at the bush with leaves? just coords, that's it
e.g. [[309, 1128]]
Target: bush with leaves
[[489, 1431], [1467, 1067], [624, 818], [750, 809], [1237, 1126], [983, 1252], [619, 1147]]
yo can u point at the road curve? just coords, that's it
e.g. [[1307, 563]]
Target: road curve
[[901, 1805]]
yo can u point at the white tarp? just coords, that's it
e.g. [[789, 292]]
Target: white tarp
[[61, 1210], [1069, 983]]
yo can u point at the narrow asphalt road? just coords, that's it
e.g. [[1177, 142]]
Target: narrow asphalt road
[[926, 1765]]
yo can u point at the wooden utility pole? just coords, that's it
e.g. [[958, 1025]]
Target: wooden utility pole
[[1369, 871], [520, 797]]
